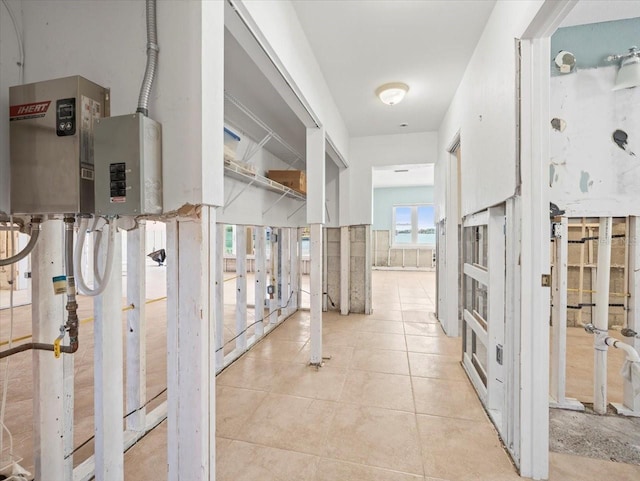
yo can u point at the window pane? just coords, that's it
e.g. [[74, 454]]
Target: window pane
[[426, 225], [402, 229]]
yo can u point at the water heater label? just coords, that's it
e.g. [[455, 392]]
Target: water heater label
[[29, 111]]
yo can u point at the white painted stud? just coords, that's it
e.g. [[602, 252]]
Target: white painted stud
[[136, 331], [601, 321], [631, 402], [285, 301], [559, 325], [316, 293], [295, 269], [241, 288], [108, 369], [49, 417], [191, 341], [219, 296], [260, 271]]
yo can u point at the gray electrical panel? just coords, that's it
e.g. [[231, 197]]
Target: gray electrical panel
[[52, 149], [128, 165]]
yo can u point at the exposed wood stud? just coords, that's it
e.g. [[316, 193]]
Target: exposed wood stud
[[50, 419], [108, 368], [241, 288], [136, 378], [260, 278]]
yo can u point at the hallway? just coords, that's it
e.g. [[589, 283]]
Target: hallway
[[392, 403]]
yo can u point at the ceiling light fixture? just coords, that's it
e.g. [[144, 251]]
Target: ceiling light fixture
[[629, 73], [392, 93]]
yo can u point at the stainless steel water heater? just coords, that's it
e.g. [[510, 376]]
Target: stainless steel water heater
[[52, 145]]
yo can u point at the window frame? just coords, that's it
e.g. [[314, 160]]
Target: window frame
[[414, 227]]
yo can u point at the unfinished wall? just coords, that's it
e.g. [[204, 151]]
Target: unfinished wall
[[332, 239], [383, 254], [359, 291], [582, 263], [590, 172]]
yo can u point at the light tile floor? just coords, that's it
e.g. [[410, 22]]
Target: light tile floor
[[392, 404]]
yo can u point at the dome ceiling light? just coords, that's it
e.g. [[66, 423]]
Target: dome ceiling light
[[392, 93]]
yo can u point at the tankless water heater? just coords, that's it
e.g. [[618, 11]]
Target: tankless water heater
[[51, 136]]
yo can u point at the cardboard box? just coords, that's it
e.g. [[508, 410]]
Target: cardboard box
[[294, 179]]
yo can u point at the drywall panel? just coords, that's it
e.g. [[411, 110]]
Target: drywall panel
[[377, 151], [281, 29], [106, 42], [484, 111], [9, 75], [386, 197], [590, 174]]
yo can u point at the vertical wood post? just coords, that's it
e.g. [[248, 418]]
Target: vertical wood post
[[50, 420], [108, 368], [260, 279], [345, 269], [136, 329], [241, 288]]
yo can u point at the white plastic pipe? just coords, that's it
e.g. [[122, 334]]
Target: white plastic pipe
[[601, 320], [101, 281], [632, 354]]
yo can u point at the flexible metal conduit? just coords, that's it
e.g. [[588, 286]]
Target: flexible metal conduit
[[152, 59], [35, 232], [72, 316]]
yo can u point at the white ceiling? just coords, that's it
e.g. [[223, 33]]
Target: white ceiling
[[409, 175], [362, 44], [595, 11]]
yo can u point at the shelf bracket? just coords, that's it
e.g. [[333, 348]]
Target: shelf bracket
[[227, 204], [284, 194], [256, 148], [296, 211]]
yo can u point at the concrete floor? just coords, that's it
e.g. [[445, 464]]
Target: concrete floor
[[392, 403]]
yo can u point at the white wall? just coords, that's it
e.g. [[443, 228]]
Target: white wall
[[105, 41], [484, 111], [378, 151], [248, 208], [9, 75], [279, 24], [332, 194], [589, 174]]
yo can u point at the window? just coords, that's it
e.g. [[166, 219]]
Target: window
[[414, 225]]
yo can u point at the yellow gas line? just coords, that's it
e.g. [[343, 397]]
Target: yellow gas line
[[84, 321]]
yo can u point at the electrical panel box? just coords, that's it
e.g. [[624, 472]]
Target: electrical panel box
[[128, 156], [52, 145]]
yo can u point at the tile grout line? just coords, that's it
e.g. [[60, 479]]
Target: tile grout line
[[413, 392]]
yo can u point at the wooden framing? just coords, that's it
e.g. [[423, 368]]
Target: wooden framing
[[260, 279], [241, 288], [559, 321], [345, 269], [631, 403], [50, 418], [108, 371], [136, 378]]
